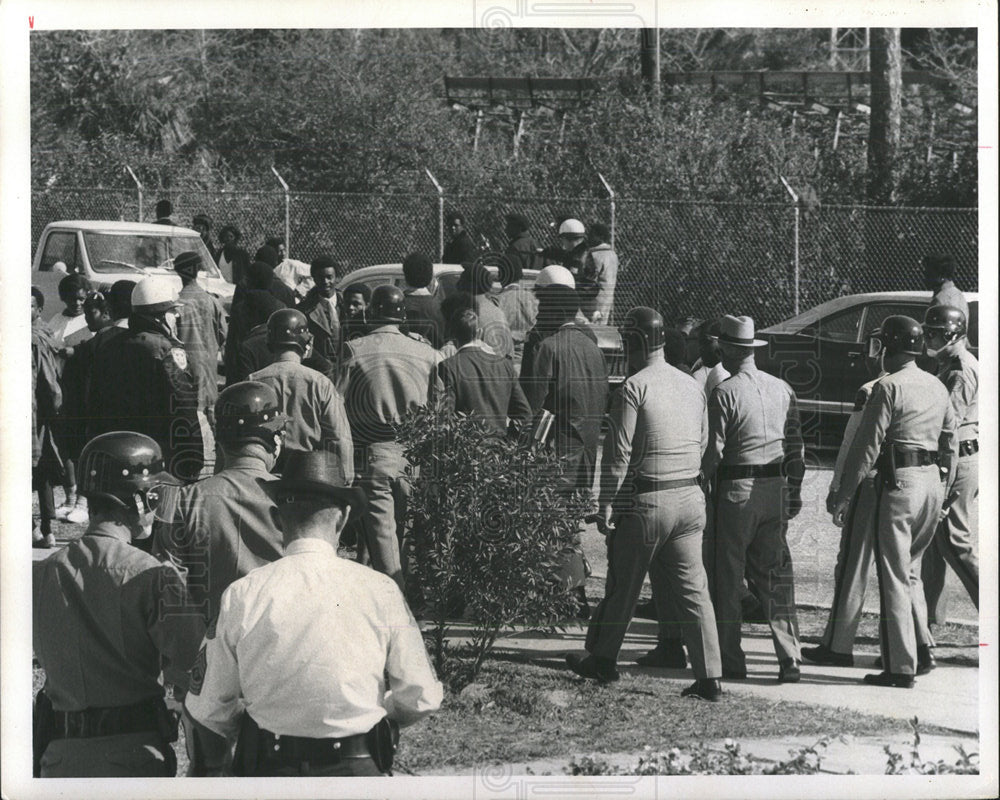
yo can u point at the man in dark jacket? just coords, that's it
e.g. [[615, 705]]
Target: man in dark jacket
[[142, 382], [270, 256], [163, 211], [422, 298], [522, 248], [460, 249], [479, 381], [320, 308]]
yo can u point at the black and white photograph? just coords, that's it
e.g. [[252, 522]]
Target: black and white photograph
[[499, 399]]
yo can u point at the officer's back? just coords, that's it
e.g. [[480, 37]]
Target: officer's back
[[756, 408]]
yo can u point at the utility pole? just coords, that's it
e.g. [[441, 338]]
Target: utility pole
[[886, 105]]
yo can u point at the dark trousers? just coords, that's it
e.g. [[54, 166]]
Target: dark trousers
[[348, 767]]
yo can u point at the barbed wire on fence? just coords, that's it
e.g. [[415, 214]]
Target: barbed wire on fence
[[694, 258]]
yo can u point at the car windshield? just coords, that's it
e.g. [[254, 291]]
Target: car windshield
[[137, 252]]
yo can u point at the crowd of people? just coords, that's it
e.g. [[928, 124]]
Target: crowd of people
[[214, 516]]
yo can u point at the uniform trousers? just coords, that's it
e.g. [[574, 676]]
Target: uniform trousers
[[850, 577], [127, 755], [660, 533], [952, 544], [749, 538], [348, 767], [906, 518], [387, 490]]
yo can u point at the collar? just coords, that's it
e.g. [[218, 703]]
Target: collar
[[748, 364], [121, 323], [389, 327], [423, 291], [246, 463], [308, 544], [601, 246], [110, 530], [477, 344]]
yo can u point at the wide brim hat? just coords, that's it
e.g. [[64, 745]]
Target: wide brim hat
[[317, 473], [738, 331]]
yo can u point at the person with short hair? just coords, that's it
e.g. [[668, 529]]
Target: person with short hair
[[939, 277], [479, 381], [423, 299], [675, 350], [460, 248], [69, 326], [708, 369], [233, 260], [293, 273], [46, 401], [517, 302], [108, 619], [164, 208], [354, 302], [522, 251], [599, 275], [203, 224], [320, 306], [119, 298], [315, 661], [494, 330]]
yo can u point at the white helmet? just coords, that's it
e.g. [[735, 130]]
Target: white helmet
[[153, 295], [555, 275], [572, 227]]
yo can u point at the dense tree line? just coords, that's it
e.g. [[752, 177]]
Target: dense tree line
[[364, 110]]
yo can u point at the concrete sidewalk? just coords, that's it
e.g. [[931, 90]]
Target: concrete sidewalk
[[948, 697]]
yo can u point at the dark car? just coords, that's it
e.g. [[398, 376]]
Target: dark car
[[821, 353]]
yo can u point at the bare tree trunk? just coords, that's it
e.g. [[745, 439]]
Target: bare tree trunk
[[886, 99]]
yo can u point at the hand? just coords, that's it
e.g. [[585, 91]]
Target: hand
[[604, 520], [831, 498], [839, 512]]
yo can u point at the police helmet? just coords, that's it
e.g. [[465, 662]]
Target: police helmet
[[572, 228], [900, 334], [248, 412], [388, 304], [154, 295], [554, 275], [119, 465], [643, 328], [949, 319], [288, 327]]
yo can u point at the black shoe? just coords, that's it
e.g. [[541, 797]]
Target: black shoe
[[598, 669], [668, 654], [788, 671], [878, 662], [734, 675], [821, 654], [925, 659], [583, 610], [705, 688], [897, 680], [646, 610]]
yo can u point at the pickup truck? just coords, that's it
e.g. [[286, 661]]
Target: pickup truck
[[105, 252]]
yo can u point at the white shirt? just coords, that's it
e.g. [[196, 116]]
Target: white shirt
[[305, 643], [68, 331], [710, 377]]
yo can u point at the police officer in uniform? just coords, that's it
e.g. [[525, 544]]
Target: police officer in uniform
[[142, 382], [755, 453], [385, 374], [653, 510], [105, 616], [907, 429], [218, 529], [315, 411], [945, 330]]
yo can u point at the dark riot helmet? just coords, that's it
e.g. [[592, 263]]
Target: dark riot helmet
[[248, 412], [288, 327], [119, 465], [898, 334], [949, 319], [388, 304], [642, 328]]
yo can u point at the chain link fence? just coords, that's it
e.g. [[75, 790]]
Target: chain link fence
[[684, 258]]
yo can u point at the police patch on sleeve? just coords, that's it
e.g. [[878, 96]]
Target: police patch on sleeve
[[179, 356], [860, 399], [198, 671]]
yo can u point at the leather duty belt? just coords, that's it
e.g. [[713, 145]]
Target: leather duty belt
[[733, 472]]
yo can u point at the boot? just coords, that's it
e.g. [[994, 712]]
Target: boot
[[821, 654], [897, 680], [602, 670]]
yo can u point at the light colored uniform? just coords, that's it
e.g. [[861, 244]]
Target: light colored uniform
[[383, 376], [312, 646], [953, 540], [753, 422], [658, 429], [710, 377], [857, 540], [317, 419], [907, 409]]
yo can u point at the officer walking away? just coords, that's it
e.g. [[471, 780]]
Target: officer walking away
[[313, 682], [939, 277], [755, 453], [460, 248], [600, 274], [945, 330], [105, 615], [320, 307], [142, 381], [315, 410], [383, 376], [216, 530], [653, 511], [907, 429], [855, 554]]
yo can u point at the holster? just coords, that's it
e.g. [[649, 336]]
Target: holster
[[382, 742], [886, 466], [247, 757], [43, 730]]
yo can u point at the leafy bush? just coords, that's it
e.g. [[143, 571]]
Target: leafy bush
[[488, 530], [967, 763]]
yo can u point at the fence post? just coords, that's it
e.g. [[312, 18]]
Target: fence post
[[611, 196], [440, 192], [138, 185], [288, 228], [795, 205]]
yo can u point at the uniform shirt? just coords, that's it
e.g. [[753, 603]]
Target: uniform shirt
[[384, 375], [753, 418], [142, 382], [202, 328], [478, 381], [218, 529], [710, 377], [104, 613], [909, 408], [254, 355], [658, 429], [520, 307], [960, 375], [860, 400], [493, 327], [313, 645], [948, 294], [316, 416]]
